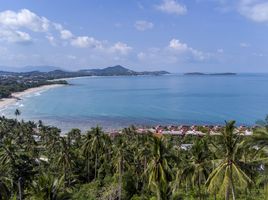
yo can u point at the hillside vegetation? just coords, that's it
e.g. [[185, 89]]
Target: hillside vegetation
[[37, 162]]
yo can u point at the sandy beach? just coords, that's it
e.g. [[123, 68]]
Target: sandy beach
[[18, 95]]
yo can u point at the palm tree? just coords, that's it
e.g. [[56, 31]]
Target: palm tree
[[65, 159], [5, 191], [197, 165], [140, 146], [94, 143], [16, 163], [74, 137], [48, 187], [97, 146], [158, 170], [8, 152], [86, 151], [260, 137], [50, 138], [121, 160], [17, 113], [228, 172], [259, 141], [144, 150]]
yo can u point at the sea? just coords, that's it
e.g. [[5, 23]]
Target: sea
[[114, 102]]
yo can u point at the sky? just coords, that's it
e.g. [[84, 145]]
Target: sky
[[173, 35]]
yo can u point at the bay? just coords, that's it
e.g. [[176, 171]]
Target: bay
[[115, 102]]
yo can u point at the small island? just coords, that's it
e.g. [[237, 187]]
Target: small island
[[209, 74]]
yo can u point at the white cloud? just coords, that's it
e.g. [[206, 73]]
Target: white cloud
[[143, 25], [51, 40], [15, 36], [85, 41], [12, 23], [182, 48], [256, 10], [23, 37], [172, 7], [120, 48], [21, 26], [24, 19], [66, 34], [178, 46], [141, 55], [175, 52]]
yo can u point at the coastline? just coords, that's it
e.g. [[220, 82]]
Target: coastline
[[16, 96], [94, 76], [70, 78]]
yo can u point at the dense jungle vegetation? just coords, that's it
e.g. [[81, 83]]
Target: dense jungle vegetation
[[38, 162]]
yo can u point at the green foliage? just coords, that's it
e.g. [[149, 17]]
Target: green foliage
[[36, 162], [18, 84], [87, 191]]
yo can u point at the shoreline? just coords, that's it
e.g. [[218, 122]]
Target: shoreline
[[16, 96], [69, 78], [94, 76]]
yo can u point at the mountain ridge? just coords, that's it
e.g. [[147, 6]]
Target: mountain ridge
[[116, 70], [29, 68]]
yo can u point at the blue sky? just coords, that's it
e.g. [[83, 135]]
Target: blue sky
[[172, 35]]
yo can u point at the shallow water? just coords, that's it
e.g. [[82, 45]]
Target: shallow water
[[115, 102]]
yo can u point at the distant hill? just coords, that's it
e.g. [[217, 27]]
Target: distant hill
[[194, 73], [56, 73], [110, 71], [223, 74], [29, 68], [209, 74], [118, 70], [39, 68]]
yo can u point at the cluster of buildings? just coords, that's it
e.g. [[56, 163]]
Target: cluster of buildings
[[193, 130]]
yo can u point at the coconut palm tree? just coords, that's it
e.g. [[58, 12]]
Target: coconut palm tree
[[74, 137], [158, 170], [5, 190], [97, 146], [17, 113], [86, 151], [17, 164], [197, 165], [8, 152], [259, 142], [48, 187], [65, 159], [260, 137], [228, 173], [121, 160], [144, 150]]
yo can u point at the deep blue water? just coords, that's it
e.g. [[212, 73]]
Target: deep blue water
[[115, 102]]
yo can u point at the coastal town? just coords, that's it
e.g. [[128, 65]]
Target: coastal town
[[184, 130]]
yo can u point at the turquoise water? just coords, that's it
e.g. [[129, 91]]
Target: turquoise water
[[115, 102]]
